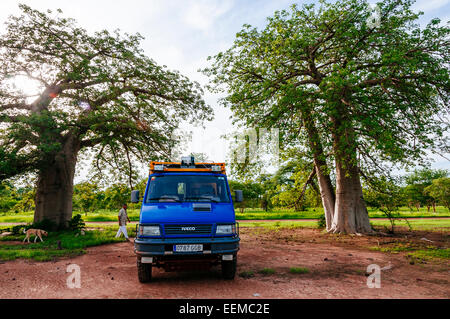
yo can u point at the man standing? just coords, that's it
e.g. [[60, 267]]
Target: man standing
[[123, 217]]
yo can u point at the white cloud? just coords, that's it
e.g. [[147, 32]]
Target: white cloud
[[202, 14], [429, 5], [170, 55]]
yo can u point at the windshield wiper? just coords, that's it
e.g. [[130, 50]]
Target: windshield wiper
[[203, 197], [175, 198]]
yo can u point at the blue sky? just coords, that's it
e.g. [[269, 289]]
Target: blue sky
[[183, 33]]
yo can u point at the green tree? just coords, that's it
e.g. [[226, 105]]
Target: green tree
[[296, 183], [116, 195], [414, 195], [8, 196], [355, 93], [251, 191], [98, 93], [26, 199], [382, 193], [417, 182], [86, 196], [385, 195], [440, 190]]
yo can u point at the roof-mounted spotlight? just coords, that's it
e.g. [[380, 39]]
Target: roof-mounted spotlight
[[187, 162]]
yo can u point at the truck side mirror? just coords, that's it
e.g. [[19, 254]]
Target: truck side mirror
[[135, 196], [239, 196]]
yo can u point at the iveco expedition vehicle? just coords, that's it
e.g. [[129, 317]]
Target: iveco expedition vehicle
[[187, 219]]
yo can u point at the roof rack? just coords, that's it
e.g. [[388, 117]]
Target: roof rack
[[156, 167]]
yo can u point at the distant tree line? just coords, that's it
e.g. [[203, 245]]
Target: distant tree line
[[87, 197], [289, 187], [421, 188]]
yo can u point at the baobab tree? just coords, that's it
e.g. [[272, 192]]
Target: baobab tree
[[355, 89], [98, 92]]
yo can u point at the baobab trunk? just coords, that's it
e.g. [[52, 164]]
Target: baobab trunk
[[321, 167], [350, 212], [55, 186], [326, 193]]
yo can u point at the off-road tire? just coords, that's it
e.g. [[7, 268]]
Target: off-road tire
[[229, 268], [144, 271]]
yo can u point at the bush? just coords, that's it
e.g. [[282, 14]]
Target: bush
[[44, 224], [17, 230], [321, 222], [77, 224]]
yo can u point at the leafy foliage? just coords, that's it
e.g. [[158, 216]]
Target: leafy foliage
[[440, 190], [77, 224], [86, 196], [97, 91], [418, 191], [373, 94], [252, 193]]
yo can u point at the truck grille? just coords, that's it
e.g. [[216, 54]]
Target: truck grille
[[187, 229]]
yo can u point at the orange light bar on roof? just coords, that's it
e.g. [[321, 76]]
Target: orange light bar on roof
[[156, 167]]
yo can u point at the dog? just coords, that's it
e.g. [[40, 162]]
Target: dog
[[36, 232]]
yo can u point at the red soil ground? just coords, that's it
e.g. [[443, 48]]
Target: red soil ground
[[337, 269]]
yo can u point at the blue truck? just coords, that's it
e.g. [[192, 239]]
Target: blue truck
[[187, 219]]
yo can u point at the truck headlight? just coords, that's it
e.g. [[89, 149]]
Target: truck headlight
[[226, 229], [149, 231]]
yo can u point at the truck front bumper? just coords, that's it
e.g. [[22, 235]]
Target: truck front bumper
[[149, 247]]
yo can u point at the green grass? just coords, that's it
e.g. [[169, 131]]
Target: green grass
[[249, 214], [429, 254], [415, 251], [247, 274], [97, 216], [422, 224], [48, 250], [396, 248], [314, 213], [298, 270], [430, 224], [267, 271]]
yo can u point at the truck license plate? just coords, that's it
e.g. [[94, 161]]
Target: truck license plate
[[187, 248]]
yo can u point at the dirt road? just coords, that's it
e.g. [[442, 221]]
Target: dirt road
[[336, 265]]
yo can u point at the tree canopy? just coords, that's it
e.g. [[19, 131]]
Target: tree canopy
[[392, 79], [100, 88], [355, 94], [99, 96]]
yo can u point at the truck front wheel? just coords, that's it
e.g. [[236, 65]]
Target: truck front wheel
[[144, 271], [229, 268]]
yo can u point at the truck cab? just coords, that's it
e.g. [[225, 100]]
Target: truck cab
[[187, 219]]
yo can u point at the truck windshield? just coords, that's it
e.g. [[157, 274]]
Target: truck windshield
[[187, 188]]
